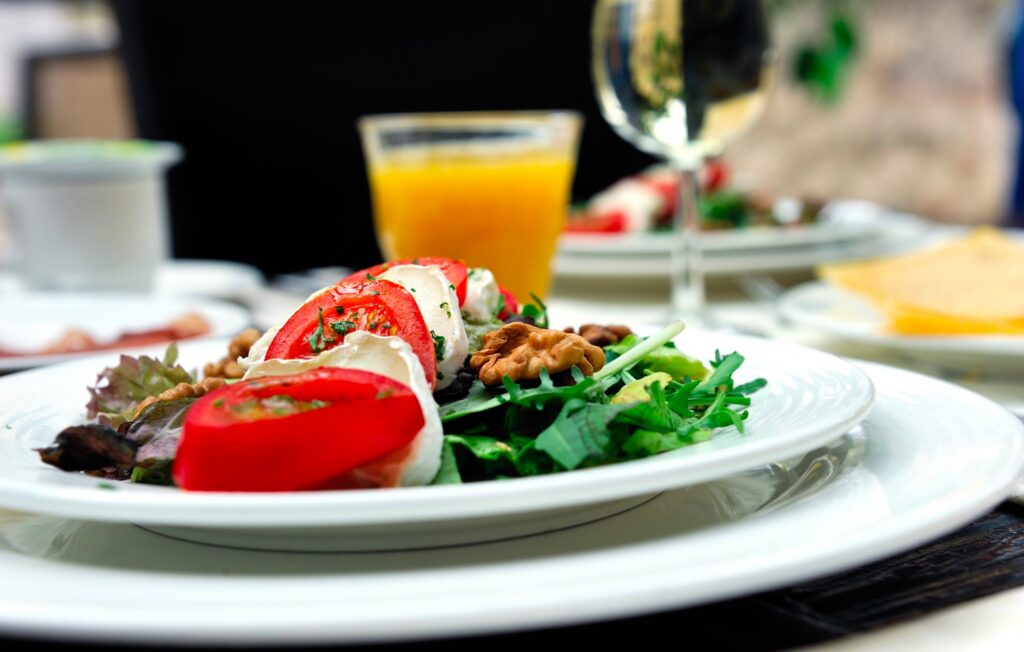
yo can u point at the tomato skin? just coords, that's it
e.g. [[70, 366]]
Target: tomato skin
[[612, 222], [367, 416], [454, 270], [511, 305], [380, 307]]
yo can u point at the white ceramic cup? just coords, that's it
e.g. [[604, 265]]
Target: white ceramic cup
[[87, 215]]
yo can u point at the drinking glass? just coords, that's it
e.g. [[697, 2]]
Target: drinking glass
[[680, 79], [489, 188]]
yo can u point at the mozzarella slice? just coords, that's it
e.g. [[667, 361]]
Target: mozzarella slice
[[416, 464], [482, 295], [439, 306]]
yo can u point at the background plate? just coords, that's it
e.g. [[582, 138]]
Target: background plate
[[30, 320], [830, 310]]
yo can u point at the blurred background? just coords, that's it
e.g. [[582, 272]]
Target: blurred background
[[908, 103]]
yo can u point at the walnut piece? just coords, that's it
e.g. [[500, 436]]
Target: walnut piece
[[520, 351], [602, 334], [228, 367], [181, 390]]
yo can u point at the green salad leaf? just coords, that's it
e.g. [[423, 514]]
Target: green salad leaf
[[625, 411], [119, 390]]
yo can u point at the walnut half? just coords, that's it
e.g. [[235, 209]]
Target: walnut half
[[602, 334], [228, 367], [181, 390], [520, 351]]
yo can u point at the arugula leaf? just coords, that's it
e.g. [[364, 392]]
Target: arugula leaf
[[484, 448], [723, 370], [449, 471], [159, 473], [119, 390], [536, 311], [479, 398], [580, 434]]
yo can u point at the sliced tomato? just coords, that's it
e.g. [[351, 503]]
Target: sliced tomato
[[290, 433], [510, 307], [611, 222], [379, 307], [454, 270]]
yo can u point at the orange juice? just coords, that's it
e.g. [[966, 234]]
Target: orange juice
[[501, 212]]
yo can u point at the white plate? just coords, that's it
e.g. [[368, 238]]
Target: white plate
[[216, 279], [840, 222], [29, 320], [928, 458], [898, 232], [812, 397], [825, 308]]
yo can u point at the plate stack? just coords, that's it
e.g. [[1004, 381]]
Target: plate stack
[[841, 463]]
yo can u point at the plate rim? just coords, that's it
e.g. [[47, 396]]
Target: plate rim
[[158, 506]]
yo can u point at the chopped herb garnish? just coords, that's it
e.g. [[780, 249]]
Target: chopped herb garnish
[[438, 345], [384, 393], [105, 485], [342, 327], [370, 277], [373, 324], [218, 403], [339, 309], [415, 261], [386, 326], [375, 293], [318, 341]]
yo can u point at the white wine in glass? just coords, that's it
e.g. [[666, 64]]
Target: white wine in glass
[[681, 79]]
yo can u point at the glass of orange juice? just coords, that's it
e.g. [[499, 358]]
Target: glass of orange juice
[[489, 188]]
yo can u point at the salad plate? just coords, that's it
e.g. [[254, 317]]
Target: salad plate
[[32, 320], [929, 457], [827, 309], [811, 398]]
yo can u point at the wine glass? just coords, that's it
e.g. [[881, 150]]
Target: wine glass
[[681, 79]]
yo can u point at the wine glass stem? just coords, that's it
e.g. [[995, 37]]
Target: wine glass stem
[[687, 263]]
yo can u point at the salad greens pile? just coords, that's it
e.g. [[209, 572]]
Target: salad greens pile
[[650, 398], [123, 445]]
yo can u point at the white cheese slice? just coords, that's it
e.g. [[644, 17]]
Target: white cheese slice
[[482, 295], [419, 462], [439, 306]]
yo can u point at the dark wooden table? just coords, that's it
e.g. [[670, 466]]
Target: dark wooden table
[[984, 557]]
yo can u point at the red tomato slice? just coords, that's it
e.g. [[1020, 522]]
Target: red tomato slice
[[454, 270], [379, 307], [611, 222], [290, 433]]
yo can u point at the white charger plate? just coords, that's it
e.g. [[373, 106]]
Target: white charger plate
[[929, 457], [29, 320], [828, 309], [811, 398]]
